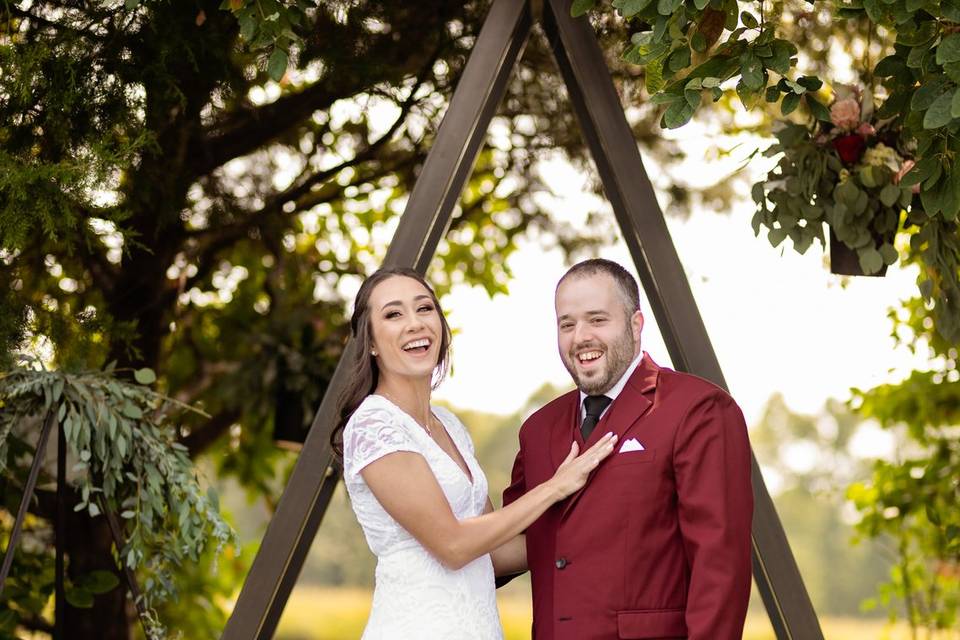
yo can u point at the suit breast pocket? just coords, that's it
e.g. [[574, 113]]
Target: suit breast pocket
[[632, 457]]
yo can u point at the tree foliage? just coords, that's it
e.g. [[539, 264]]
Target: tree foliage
[[169, 199], [123, 458]]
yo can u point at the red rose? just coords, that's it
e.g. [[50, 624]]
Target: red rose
[[850, 147]]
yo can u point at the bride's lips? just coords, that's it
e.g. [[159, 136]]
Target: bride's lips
[[417, 348]]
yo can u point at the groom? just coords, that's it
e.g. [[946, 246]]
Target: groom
[[657, 544]]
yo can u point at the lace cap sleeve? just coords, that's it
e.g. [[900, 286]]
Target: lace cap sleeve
[[372, 433]]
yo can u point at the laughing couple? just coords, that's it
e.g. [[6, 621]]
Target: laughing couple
[[630, 501]]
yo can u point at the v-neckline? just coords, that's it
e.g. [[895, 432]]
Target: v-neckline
[[467, 473]]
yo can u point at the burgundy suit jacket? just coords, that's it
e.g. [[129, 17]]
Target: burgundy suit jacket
[[657, 544]]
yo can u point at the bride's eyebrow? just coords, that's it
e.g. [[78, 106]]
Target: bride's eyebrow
[[397, 303]]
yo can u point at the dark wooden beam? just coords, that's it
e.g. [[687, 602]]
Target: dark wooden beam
[[425, 220]]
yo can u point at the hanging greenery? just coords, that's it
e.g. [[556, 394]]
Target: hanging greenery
[[890, 166], [123, 456]]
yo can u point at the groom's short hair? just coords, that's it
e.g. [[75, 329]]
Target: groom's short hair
[[626, 283]]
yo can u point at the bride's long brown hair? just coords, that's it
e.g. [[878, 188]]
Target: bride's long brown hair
[[364, 374]]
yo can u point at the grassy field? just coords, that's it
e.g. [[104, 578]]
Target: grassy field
[[339, 614]]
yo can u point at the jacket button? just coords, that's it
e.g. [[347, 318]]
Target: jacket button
[[561, 563]]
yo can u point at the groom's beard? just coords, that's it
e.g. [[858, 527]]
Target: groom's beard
[[618, 355]]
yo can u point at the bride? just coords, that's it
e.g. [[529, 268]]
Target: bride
[[413, 480]]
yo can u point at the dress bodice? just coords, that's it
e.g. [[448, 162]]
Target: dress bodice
[[415, 595]]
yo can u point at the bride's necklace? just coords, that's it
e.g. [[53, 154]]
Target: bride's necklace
[[426, 427]]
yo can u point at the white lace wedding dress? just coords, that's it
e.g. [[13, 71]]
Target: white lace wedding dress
[[415, 596]]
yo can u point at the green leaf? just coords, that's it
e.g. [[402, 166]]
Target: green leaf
[[277, 65], [214, 498], [920, 172], [949, 49], [131, 410], [580, 7], [789, 104], [776, 236], [888, 253], [955, 105], [810, 83], [890, 194], [938, 115], [100, 581], [248, 27], [915, 59], [782, 52], [131, 4], [870, 260], [772, 94], [677, 115], [928, 93], [923, 34], [950, 9], [653, 77], [79, 598], [751, 68], [145, 376], [890, 66], [749, 97], [679, 59], [749, 20], [630, 8], [667, 7], [872, 7], [667, 98], [950, 200], [795, 87], [127, 515], [896, 103], [817, 110]]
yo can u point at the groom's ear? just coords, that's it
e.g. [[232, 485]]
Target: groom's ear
[[636, 325]]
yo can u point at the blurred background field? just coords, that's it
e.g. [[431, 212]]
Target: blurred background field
[[318, 613]]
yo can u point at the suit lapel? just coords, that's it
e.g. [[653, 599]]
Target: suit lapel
[[634, 401]]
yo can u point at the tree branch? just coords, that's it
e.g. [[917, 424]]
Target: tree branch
[[211, 431], [245, 131]]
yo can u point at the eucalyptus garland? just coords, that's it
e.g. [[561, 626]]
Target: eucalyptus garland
[[692, 51], [122, 455]]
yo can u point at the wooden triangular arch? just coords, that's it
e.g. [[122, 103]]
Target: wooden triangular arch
[[424, 222]]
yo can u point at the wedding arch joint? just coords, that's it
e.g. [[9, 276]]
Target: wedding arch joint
[[459, 139]]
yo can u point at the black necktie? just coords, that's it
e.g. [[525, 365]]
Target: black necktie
[[594, 406]]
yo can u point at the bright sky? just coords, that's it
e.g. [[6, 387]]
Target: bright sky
[[778, 321]]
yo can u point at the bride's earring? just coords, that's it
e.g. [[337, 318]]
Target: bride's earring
[[373, 352]]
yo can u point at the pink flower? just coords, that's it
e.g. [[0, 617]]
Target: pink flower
[[845, 114], [866, 129], [904, 169]]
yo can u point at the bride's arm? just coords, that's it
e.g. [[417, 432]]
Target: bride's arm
[[407, 489], [510, 558]]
